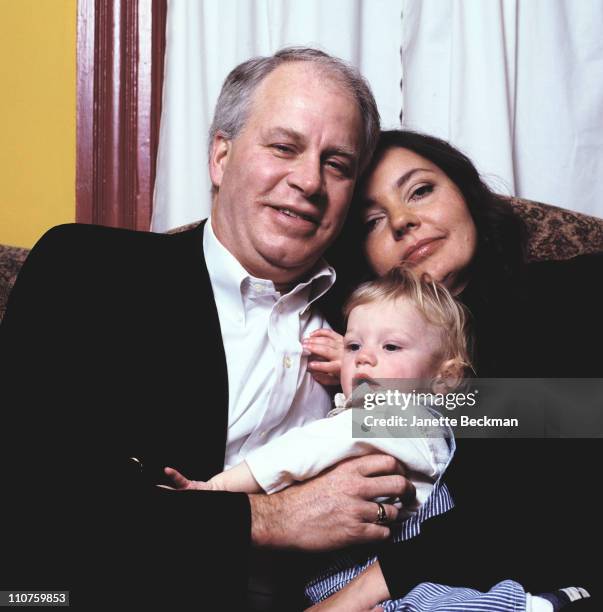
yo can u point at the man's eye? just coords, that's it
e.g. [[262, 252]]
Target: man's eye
[[392, 347], [421, 192], [342, 169], [352, 346], [283, 148]]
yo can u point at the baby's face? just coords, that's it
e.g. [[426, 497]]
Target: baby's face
[[389, 339]]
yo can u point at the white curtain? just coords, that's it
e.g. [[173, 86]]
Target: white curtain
[[207, 38], [518, 86]]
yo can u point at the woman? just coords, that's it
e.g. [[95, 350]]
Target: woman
[[422, 203]]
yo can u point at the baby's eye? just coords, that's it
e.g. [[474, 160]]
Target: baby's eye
[[352, 346], [392, 347], [421, 192]]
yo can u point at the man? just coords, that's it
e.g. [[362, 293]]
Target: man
[[128, 352]]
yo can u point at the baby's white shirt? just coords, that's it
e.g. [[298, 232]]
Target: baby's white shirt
[[304, 452]]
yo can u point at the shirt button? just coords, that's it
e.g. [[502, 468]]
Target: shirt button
[[136, 462], [262, 434], [287, 361]]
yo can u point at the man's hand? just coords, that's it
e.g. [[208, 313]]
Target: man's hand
[[327, 346], [332, 510]]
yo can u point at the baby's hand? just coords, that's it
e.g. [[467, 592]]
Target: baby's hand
[[328, 346], [179, 482]]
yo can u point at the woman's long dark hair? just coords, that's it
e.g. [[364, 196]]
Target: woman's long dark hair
[[500, 232]]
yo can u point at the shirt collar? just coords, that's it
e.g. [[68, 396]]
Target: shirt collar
[[227, 275], [321, 279]]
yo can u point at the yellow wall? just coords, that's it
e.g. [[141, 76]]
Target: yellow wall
[[37, 117]]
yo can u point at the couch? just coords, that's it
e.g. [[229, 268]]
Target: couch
[[553, 234]]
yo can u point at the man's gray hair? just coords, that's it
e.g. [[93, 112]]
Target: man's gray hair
[[236, 96]]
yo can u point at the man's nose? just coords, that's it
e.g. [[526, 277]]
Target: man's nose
[[306, 176], [404, 221]]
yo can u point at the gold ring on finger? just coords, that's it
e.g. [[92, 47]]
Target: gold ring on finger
[[381, 514]]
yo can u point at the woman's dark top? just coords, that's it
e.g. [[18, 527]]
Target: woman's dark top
[[526, 509], [545, 323]]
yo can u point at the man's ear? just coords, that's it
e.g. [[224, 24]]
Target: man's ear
[[449, 376], [220, 151]]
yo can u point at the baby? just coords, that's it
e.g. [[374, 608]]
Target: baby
[[399, 328]]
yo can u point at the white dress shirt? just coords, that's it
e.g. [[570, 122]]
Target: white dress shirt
[[269, 389]]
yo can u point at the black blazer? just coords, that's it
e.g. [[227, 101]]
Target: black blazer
[[79, 402]]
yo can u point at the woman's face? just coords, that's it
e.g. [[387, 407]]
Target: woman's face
[[415, 214]]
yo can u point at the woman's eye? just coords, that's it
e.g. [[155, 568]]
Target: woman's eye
[[421, 192], [352, 346], [371, 224], [392, 347]]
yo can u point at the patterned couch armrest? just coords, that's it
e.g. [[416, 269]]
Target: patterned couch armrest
[[555, 233], [11, 260]]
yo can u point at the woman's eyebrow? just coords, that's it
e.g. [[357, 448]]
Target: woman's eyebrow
[[407, 175]]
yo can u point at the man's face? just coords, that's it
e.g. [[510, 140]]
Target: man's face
[[286, 181]]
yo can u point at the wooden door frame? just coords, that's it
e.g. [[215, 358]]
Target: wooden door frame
[[120, 58]]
